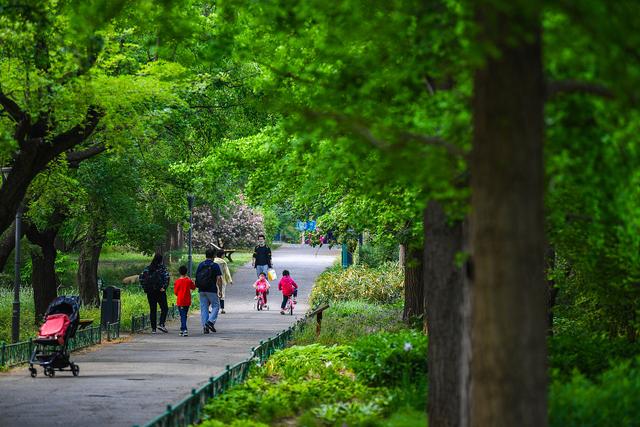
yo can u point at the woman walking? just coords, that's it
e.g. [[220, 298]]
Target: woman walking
[[155, 281]]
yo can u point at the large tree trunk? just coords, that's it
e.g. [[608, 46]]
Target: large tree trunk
[[413, 283], [88, 263], [509, 325], [43, 268], [444, 296], [7, 243]]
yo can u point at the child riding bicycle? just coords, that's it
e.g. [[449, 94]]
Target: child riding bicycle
[[262, 287], [289, 289]]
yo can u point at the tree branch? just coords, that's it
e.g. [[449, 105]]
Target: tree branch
[[404, 137], [75, 157], [11, 107], [78, 133], [576, 86]]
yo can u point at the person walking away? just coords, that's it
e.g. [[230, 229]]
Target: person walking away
[[262, 287], [182, 289], [262, 256], [226, 277], [155, 281], [289, 289], [208, 280]]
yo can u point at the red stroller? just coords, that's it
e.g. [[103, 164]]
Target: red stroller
[[60, 325]]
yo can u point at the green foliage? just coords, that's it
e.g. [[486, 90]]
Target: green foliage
[[390, 358], [610, 400], [383, 284], [346, 321], [377, 251], [587, 353]]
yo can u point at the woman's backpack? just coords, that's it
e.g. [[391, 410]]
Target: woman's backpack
[[152, 280]]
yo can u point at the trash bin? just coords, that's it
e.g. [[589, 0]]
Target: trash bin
[[110, 307]]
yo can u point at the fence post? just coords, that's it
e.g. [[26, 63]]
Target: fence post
[[2, 355], [108, 332]]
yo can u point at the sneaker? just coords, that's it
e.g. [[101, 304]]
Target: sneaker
[[181, 332], [205, 330], [153, 331], [256, 297], [211, 326], [163, 329], [281, 311], [294, 301], [222, 311], [185, 334]]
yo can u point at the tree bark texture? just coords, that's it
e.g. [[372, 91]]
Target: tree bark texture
[[43, 268], [7, 243], [413, 283], [88, 261], [444, 294], [509, 322]]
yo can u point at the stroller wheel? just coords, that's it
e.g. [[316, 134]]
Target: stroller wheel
[[50, 372], [33, 372], [75, 369]]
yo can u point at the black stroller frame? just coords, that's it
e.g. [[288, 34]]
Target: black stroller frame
[[51, 355]]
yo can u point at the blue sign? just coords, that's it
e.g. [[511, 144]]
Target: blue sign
[[311, 226], [301, 226]]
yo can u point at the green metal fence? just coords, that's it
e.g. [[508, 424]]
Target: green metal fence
[[143, 321], [20, 352], [189, 410]]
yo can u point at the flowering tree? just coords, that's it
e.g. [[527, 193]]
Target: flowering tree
[[235, 225]]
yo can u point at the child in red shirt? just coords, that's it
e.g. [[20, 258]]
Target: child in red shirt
[[182, 288], [289, 288], [262, 287]]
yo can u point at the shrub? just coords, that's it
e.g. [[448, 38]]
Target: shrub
[[610, 400], [345, 321], [389, 359], [384, 284], [587, 353]]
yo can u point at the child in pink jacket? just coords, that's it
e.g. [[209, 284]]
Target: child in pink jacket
[[289, 288], [262, 287]]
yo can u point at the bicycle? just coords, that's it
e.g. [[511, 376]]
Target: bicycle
[[260, 303], [290, 305]]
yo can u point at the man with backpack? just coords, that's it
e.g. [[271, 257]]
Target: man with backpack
[[155, 281], [208, 282]]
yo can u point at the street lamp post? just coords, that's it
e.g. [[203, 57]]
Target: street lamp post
[[190, 200], [15, 315]]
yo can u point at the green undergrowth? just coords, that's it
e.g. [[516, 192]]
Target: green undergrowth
[[367, 376], [383, 284], [608, 400]]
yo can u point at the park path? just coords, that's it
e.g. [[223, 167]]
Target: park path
[[133, 381]]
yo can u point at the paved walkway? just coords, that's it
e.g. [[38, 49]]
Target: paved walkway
[[132, 382]]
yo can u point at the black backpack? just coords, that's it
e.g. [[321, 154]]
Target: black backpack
[[151, 280], [204, 276]]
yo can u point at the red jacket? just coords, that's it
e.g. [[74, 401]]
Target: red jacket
[[182, 288], [287, 286]]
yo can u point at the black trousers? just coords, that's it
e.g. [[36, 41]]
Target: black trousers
[[156, 298]]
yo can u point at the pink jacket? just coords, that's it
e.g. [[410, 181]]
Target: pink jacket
[[287, 285], [261, 285]]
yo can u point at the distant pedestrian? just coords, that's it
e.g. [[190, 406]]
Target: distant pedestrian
[[226, 277], [289, 289], [208, 282], [182, 289], [262, 256], [155, 281]]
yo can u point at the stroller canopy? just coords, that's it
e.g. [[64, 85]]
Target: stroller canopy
[[69, 305]]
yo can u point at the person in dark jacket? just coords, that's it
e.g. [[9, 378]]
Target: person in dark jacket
[[208, 282], [262, 257], [155, 281]]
